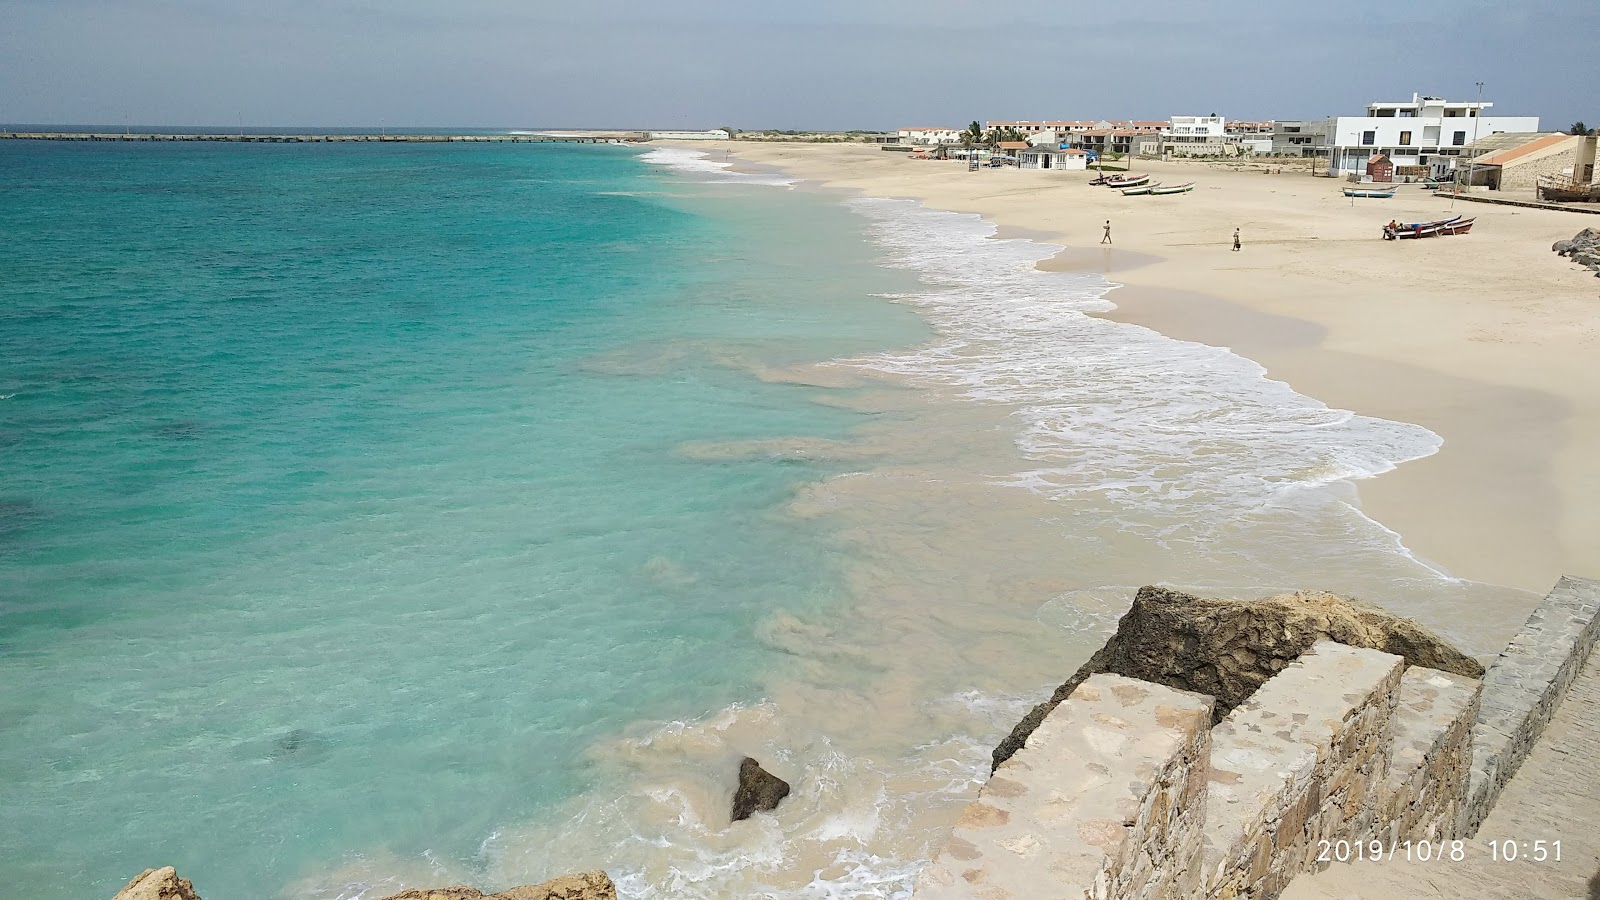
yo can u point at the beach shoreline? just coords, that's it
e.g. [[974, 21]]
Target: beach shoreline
[[1485, 340]]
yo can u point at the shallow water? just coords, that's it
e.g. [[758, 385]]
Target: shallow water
[[470, 529], [332, 525]]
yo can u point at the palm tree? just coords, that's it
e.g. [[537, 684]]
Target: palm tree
[[1579, 128]]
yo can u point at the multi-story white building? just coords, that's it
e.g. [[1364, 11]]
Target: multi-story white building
[[1424, 131], [1197, 136], [931, 135]]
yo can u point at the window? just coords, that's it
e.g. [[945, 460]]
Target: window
[[1459, 139], [1368, 138], [1291, 129], [1405, 138]]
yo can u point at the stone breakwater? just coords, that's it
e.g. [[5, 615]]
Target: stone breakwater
[[1124, 788]]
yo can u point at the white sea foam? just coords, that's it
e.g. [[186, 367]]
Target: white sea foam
[[1116, 416], [699, 163]]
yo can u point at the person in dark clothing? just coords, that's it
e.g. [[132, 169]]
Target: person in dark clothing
[[1236, 239]]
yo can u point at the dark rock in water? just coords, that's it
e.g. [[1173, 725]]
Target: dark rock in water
[[759, 790], [295, 741], [1228, 648], [158, 884], [586, 886]]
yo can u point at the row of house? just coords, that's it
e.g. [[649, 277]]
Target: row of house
[[1189, 135], [1424, 136]]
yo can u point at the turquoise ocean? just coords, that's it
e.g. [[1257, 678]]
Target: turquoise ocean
[[391, 515], [341, 504]]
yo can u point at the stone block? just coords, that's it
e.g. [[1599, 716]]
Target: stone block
[[1104, 802], [1298, 762], [1430, 757], [1523, 687]]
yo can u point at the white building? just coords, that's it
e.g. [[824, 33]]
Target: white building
[[1197, 136], [1070, 160], [931, 135], [1422, 131], [1195, 130], [716, 134]]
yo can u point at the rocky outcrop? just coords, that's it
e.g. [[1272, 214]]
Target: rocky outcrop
[[1229, 648], [1583, 249], [158, 884], [586, 886], [759, 790]]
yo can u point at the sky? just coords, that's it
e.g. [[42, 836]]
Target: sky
[[751, 64]]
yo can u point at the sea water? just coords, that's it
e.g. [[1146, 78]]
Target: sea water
[[404, 515], [341, 502]]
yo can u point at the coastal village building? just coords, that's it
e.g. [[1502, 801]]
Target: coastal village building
[[1254, 137], [1077, 126], [715, 134], [1068, 160], [1197, 136], [1297, 138], [1422, 131], [931, 135], [1517, 165]]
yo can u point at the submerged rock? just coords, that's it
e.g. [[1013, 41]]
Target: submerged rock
[[158, 884], [1228, 648], [584, 886], [759, 790]]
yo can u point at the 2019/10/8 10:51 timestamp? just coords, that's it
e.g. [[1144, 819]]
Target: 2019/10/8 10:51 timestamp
[[1503, 850]]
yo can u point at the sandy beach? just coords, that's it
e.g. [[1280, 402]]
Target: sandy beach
[[1488, 339]]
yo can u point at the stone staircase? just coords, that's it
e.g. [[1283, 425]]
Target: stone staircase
[[1125, 792]]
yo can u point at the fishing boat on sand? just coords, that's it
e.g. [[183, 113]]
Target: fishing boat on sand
[[1143, 189], [1380, 193], [1127, 181], [1561, 189], [1172, 188], [1453, 225]]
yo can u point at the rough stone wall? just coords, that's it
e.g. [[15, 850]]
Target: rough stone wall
[[1300, 761], [1423, 796], [1229, 648], [1104, 802], [1522, 688], [1524, 175]]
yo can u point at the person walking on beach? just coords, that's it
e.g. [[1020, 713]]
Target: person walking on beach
[[1236, 240], [1107, 238]]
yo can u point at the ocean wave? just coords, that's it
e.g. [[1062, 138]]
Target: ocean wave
[[1116, 416], [699, 162]]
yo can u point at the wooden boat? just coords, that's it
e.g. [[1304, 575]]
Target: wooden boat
[[1461, 226], [1382, 193], [1565, 190], [1127, 181], [1422, 229], [1134, 191], [1173, 188]]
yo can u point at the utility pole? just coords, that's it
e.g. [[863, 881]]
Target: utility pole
[[1472, 161]]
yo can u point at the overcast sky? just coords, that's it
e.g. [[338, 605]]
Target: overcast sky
[[759, 63]]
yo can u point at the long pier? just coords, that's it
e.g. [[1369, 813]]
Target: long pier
[[245, 138]]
